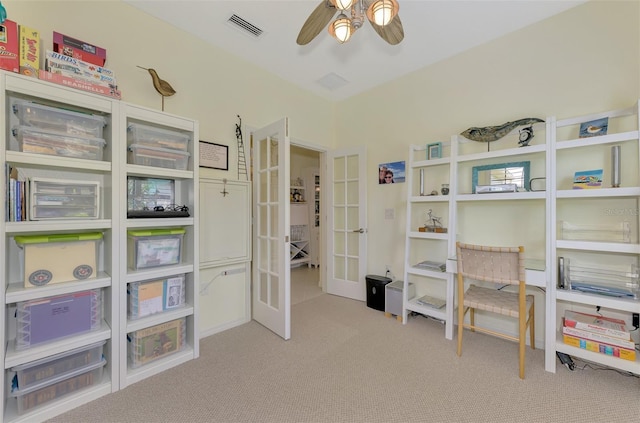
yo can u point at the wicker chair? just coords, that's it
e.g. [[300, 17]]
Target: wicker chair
[[501, 266]]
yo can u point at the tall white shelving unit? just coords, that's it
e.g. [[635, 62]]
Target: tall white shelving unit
[[55, 167], [427, 246], [186, 193], [598, 209], [112, 275]]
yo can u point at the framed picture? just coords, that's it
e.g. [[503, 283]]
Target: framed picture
[[434, 151], [214, 156], [391, 173], [594, 128], [588, 179]]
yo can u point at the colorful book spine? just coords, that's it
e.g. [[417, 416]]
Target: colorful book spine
[[593, 336], [608, 326], [601, 348]]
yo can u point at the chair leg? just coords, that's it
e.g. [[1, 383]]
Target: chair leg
[[522, 320], [472, 318], [460, 314], [532, 327]]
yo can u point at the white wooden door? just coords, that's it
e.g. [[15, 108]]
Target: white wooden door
[[271, 289], [347, 223]]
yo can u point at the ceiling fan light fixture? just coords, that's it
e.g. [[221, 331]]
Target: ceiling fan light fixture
[[342, 4], [382, 12], [341, 29]]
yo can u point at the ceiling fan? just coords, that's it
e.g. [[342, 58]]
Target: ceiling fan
[[381, 14]]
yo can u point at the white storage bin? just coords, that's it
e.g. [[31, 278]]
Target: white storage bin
[[150, 297], [156, 342], [56, 388], [64, 199], [158, 157], [150, 136], [49, 319], [34, 140], [393, 296], [57, 366], [50, 259], [52, 119], [154, 247]]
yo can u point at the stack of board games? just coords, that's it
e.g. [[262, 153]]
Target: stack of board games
[[604, 335], [156, 342]]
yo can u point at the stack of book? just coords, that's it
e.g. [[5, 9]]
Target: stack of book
[[599, 334], [431, 265]]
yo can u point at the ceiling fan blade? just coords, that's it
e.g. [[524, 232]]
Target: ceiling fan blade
[[318, 19], [392, 33]]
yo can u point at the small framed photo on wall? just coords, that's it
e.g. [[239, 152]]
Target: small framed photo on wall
[[434, 151]]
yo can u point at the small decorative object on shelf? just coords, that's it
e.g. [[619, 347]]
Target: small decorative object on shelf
[[594, 128], [445, 189], [489, 134], [296, 196], [434, 224], [162, 87], [525, 136], [588, 179], [434, 151], [615, 166]]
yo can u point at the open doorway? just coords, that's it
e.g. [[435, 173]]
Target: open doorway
[[306, 245]]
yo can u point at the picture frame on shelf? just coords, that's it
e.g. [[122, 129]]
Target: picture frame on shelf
[[434, 151], [594, 128], [588, 179], [214, 156]]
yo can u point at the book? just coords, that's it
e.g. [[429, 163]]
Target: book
[[597, 337], [598, 347], [608, 326]]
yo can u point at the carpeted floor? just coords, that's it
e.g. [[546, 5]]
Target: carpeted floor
[[349, 363]]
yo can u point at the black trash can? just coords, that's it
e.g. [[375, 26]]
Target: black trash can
[[375, 291]]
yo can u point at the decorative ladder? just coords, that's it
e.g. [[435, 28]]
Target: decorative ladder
[[242, 161]]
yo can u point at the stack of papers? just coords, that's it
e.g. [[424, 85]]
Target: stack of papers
[[432, 265], [427, 300]]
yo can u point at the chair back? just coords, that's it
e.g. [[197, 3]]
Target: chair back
[[502, 265]]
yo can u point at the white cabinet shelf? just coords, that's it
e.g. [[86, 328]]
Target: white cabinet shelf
[[584, 208], [426, 176], [112, 274], [15, 89], [186, 192]]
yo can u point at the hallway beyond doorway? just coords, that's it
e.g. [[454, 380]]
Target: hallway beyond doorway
[[304, 284]]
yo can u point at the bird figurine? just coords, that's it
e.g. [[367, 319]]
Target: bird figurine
[[163, 87]]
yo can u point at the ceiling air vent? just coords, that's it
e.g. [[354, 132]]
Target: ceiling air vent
[[245, 26]]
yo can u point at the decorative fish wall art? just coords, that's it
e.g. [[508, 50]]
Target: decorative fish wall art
[[492, 133]]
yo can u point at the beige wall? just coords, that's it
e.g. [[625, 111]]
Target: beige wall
[[212, 85], [579, 62]]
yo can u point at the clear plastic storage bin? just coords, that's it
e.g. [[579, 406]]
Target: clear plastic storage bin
[[150, 297], [154, 247], [156, 342], [49, 259], [45, 392], [150, 136], [51, 318], [52, 119], [57, 366], [63, 199], [158, 157], [34, 140]]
